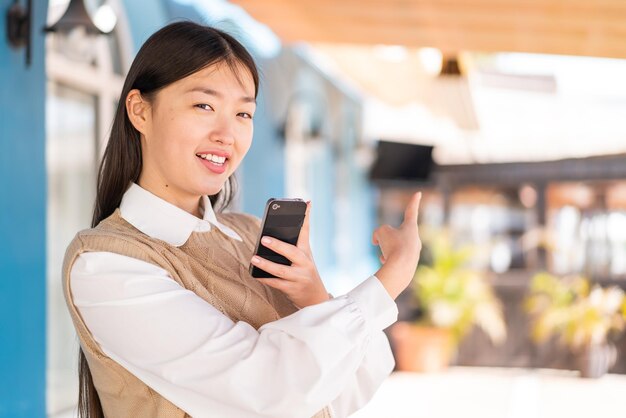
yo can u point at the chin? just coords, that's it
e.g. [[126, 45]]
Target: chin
[[210, 191], [209, 186]]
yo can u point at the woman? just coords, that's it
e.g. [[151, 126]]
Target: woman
[[170, 322]]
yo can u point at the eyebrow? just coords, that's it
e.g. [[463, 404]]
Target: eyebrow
[[211, 92]]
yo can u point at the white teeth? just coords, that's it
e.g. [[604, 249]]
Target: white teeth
[[213, 158]]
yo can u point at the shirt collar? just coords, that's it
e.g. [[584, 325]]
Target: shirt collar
[[160, 219]]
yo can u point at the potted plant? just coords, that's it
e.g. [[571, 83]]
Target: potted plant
[[452, 299], [584, 318]]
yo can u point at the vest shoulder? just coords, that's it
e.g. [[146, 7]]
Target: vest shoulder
[[112, 234], [112, 227]]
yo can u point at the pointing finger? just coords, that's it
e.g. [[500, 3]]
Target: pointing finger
[[412, 209]]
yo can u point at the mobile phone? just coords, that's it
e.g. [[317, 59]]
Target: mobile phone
[[283, 219]]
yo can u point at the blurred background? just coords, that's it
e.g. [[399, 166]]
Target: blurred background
[[509, 116]]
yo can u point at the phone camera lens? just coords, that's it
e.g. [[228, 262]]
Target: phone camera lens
[[275, 206]]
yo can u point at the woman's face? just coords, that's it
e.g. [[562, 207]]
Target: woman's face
[[197, 131]]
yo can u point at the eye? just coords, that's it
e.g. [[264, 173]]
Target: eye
[[245, 115], [204, 106]]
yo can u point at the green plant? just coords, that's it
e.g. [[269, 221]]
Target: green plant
[[451, 295], [579, 314]]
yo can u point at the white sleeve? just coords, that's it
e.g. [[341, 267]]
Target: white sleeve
[[376, 366], [208, 365]]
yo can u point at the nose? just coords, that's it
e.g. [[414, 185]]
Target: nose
[[223, 131]]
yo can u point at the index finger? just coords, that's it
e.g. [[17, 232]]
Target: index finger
[[291, 252], [412, 210]]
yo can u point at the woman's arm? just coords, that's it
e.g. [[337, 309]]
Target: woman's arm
[[208, 365], [377, 365]]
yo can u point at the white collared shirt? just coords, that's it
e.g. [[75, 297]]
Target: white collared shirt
[[333, 353], [166, 221]]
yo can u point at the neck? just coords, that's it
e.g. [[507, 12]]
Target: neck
[[167, 192]]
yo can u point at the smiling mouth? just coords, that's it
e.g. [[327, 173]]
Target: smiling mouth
[[214, 159]]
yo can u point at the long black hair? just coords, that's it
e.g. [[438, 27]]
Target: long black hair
[[170, 54]]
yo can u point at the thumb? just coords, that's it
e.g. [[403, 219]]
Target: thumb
[[412, 210]]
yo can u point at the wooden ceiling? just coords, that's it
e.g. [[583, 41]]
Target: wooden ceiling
[[568, 27]]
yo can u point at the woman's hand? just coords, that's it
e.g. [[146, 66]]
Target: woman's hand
[[300, 282], [400, 250]]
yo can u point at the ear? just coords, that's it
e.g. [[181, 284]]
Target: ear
[[138, 110]]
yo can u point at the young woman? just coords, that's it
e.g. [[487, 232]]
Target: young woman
[[170, 322]]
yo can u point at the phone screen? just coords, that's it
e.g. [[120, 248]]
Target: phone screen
[[282, 220]]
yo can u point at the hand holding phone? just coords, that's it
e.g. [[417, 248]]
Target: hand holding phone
[[282, 220], [286, 263]]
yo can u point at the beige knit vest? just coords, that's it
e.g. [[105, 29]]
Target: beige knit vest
[[212, 265]]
